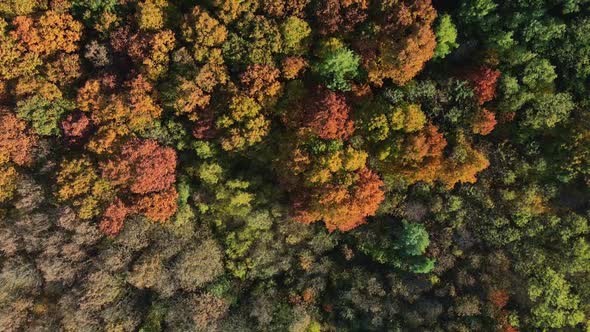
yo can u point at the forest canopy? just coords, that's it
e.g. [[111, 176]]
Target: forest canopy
[[294, 165]]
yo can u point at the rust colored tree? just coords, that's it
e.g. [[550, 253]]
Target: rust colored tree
[[334, 16], [159, 206], [113, 218], [16, 144], [143, 167], [76, 127], [342, 207], [484, 80], [328, 114], [261, 82]]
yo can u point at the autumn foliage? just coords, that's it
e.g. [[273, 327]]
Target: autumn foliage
[[335, 185], [328, 116], [484, 122], [404, 44], [16, 143], [143, 167], [484, 80], [143, 174], [48, 34], [294, 165]]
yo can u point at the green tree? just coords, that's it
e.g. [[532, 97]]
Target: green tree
[[554, 305], [446, 37], [337, 65], [295, 31]]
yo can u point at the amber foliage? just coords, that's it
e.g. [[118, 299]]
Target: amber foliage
[[16, 144], [343, 208], [405, 43], [50, 33]]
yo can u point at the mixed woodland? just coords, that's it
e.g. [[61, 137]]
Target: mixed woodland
[[294, 165]]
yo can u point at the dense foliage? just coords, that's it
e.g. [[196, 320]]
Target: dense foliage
[[294, 165]]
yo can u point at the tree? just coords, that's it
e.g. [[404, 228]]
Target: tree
[[343, 208], [44, 115], [18, 7], [199, 266], [15, 59], [328, 116], [261, 82], [244, 125], [484, 122], [464, 164], [76, 127], [16, 143], [328, 16], [159, 206], [50, 33], [408, 118], [446, 37], [403, 45], [8, 180], [295, 32], [97, 54], [293, 66], [152, 52], [113, 218], [143, 166], [554, 305], [256, 40], [338, 65], [64, 70], [282, 8], [405, 250], [422, 156], [204, 31], [151, 14], [79, 183], [484, 81], [548, 110], [339, 15]]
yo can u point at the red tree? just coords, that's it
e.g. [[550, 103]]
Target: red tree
[[499, 298], [484, 80]]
